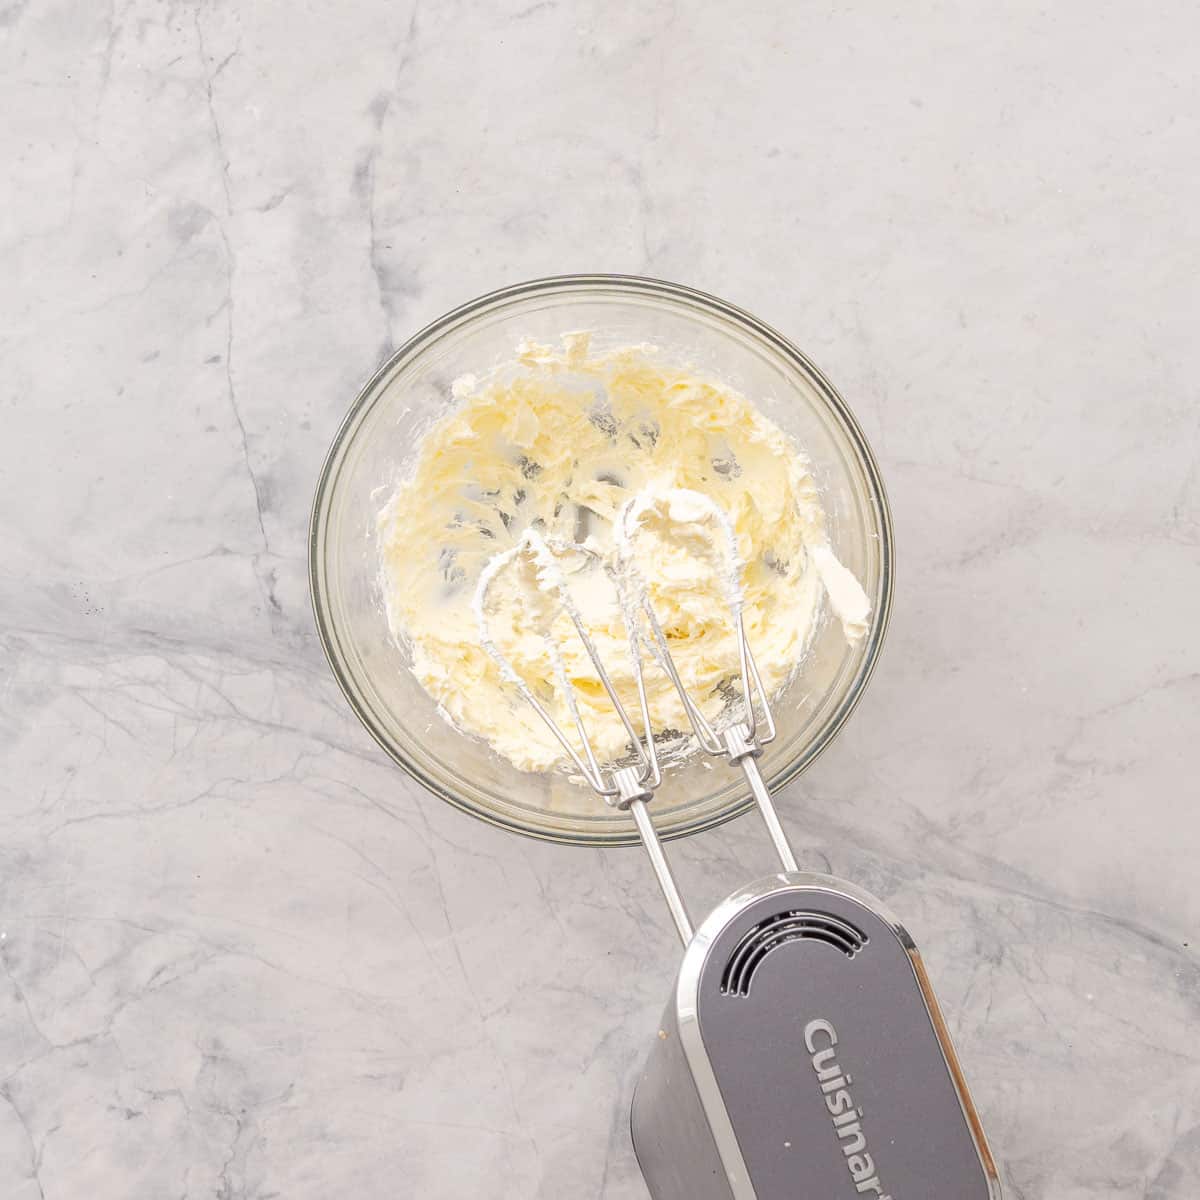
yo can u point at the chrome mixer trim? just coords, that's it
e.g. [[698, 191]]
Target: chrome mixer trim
[[687, 996], [986, 1161]]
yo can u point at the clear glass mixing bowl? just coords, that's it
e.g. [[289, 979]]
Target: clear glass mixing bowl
[[412, 389]]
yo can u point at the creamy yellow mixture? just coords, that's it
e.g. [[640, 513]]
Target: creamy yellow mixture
[[558, 442]]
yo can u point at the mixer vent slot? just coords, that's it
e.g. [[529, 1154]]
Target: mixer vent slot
[[778, 930]]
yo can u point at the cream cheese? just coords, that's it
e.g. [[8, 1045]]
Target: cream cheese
[[564, 442]]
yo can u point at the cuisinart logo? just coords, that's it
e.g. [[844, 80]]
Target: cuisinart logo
[[821, 1039]]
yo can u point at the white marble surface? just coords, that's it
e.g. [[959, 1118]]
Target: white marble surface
[[242, 955]]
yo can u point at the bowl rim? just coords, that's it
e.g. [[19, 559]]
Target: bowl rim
[[618, 836]]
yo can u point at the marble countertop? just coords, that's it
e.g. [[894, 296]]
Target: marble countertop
[[242, 955]]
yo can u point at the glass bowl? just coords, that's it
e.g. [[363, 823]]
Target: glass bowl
[[412, 390]]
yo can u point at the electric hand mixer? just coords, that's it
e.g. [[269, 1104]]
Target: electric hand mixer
[[802, 1052]]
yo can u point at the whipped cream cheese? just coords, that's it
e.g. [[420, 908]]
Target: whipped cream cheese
[[567, 442]]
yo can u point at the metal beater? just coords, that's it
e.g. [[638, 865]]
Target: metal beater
[[630, 787]]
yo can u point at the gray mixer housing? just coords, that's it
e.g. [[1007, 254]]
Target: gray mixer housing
[[803, 1055]]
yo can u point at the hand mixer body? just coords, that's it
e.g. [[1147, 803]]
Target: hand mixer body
[[803, 1055]]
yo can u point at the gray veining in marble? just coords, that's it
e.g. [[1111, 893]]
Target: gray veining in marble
[[242, 956]]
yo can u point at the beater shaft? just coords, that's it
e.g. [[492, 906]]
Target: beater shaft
[[662, 870], [744, 751]]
